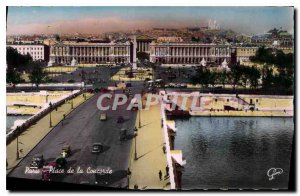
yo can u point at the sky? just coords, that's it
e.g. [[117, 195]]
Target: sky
[[49, 20]]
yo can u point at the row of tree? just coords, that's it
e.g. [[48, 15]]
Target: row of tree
[[239, 75], [18, 64], [276, 72], [278, 68]]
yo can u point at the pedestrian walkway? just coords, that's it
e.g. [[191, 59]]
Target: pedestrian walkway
[[150, 156], [34, 134]]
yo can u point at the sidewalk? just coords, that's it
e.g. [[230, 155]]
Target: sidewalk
[[32, 136], [151, 159]]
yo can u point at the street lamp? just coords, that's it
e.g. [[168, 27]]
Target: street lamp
[[140, 119], [72, 103], [50, 106], [135, 136], [18, 155]]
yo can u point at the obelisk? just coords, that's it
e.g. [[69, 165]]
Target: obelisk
[[134, 67]]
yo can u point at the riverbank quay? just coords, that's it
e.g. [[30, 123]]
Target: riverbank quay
[[30, 103], [147, 155], [197, 104], [21, 144]]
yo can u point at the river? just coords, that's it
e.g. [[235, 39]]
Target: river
[[236, 152], [10, 120]]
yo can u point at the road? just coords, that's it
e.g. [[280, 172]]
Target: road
[[80, 130], [90, 74]]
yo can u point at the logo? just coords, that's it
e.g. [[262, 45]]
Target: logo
[[272, 172]]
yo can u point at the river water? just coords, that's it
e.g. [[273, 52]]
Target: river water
[[10, 120], [236, 152]]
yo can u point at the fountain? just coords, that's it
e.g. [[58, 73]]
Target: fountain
[[225, 65], [73, 62], [203, 62]]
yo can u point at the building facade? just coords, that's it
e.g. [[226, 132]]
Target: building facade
[[243, 53], [36, 51], [143, 43], [189, 53], [85, 52], [169, 39]]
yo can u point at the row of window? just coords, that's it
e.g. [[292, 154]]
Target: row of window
[[35, 53], [30, 48], [36, 57], [248, 50]]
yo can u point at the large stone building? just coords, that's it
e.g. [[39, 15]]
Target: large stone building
[[86, 52], [143, 43], [169, 39], [189, 53], [36, 51], [243, 53]]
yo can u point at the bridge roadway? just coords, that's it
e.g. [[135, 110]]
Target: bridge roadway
[[80, 130]]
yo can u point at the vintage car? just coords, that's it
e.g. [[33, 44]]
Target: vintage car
[[66, 151], [37, 161], [97, 147], [123, 134], [46, 171], [61, 162], [103, 116]]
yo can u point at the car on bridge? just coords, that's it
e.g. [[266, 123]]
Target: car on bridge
[[37, 161], [97, 147]]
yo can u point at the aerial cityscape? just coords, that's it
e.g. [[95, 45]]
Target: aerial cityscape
[[143, 98]]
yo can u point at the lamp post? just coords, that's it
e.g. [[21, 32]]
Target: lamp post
[[18, 155], [84, 92], [50, 105], [135, 152], [140, 119], [72, 103]]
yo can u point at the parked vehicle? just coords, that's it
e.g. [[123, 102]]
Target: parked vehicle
[[61, 162], [159, 83], [66, 151], [183, 85], [37, 161], [150, 83], [97, 147], [103, 116], [123, 134], [46, 171]]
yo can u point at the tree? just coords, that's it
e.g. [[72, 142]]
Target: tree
[[13, 76], [236, 74], [204, 77], [253, 75], [222, 77], [275, 59], [16, 60], [37, 75]]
